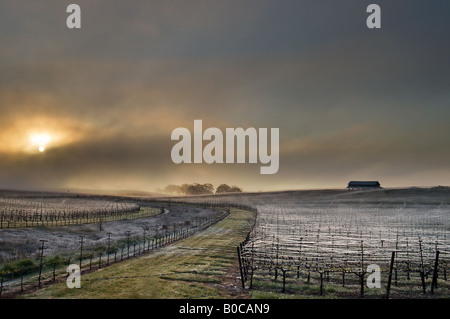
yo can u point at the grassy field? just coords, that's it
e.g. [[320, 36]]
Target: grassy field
[[202, 266]]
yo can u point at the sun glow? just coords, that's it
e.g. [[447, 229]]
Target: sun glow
[[40, 141], [27, 135]]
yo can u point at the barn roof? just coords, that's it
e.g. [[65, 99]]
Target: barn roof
[[363, 184]]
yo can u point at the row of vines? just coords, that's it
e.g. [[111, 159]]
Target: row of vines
[[324, 245], [30, 212]]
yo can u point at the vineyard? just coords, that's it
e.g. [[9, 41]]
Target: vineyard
[[335, 244], [35, 256], [16, 277], [314, 243], [57, 211], [319, 243]]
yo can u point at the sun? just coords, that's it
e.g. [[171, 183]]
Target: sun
[[40, 141]]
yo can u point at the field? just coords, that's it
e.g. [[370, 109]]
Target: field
[[323, 246], [320, 243], [299, 244]]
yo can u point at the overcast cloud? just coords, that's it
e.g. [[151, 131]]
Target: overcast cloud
[[350, 103]]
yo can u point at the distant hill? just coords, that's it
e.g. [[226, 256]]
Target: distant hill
[[128, 193]]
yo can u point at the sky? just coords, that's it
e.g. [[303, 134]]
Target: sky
[[351, 103]]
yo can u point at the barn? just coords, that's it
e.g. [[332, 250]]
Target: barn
[[363, 185]]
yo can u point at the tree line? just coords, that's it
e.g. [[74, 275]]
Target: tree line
[[201, 189]]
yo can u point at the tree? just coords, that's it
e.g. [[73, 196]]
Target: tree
[[235, 189], [184, 188], [173, 189], [200, 189], [224, 188]]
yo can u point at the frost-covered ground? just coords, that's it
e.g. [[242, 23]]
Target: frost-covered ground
[[335, 227]]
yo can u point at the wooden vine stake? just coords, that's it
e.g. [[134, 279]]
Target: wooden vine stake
[[41, 264], [391, 267], [240, 267], [435, 271]]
